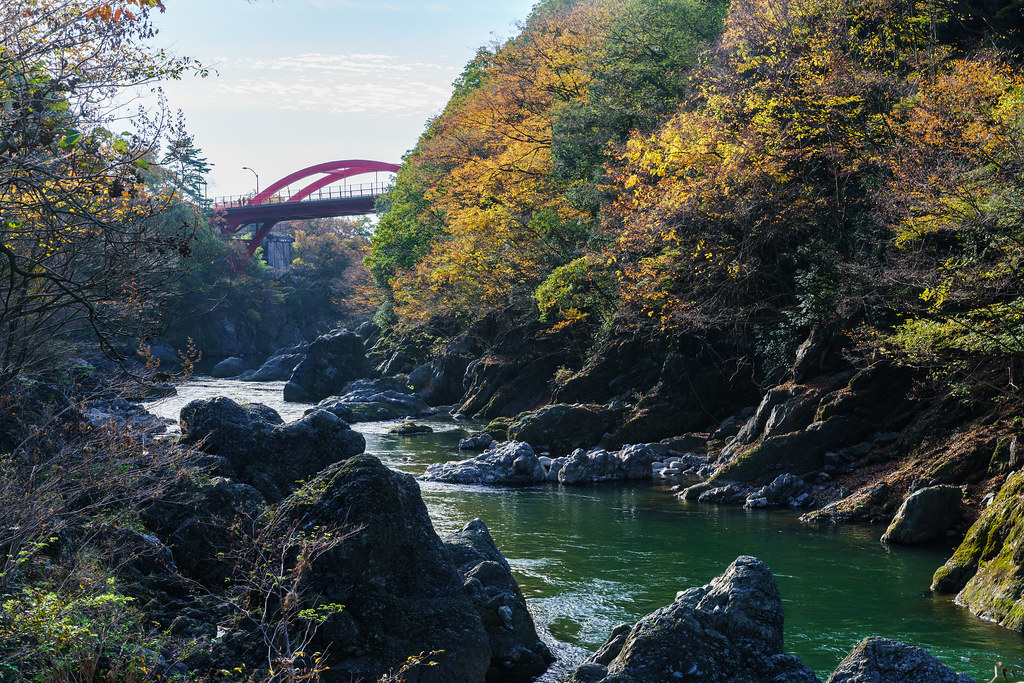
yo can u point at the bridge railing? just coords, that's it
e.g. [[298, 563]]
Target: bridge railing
[[323, 194]]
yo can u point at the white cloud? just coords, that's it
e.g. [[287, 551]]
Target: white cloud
[[407, 7], [354, 63], [335, 84]]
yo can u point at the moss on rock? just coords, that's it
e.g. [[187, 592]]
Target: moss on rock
[[498, 428], [988, 567]]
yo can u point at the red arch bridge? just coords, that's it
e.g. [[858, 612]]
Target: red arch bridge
[[318, 197]]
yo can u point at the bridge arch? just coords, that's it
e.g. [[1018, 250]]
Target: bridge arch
[[333, 171]]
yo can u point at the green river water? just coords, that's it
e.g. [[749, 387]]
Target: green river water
[[589, 558]]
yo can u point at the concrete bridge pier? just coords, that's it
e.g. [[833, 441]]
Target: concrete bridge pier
[[278, 250]]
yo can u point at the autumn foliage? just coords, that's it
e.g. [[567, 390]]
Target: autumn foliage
[[850, 162], [91, 231]]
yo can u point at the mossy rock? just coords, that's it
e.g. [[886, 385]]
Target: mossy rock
[[410, 429], [498, 428], [988, 567], [1007, 456]]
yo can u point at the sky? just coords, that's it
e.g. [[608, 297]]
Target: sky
[[294, 83]]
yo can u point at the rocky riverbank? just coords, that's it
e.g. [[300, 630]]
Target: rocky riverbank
[[730, 629], [846, 443], [261, 479]]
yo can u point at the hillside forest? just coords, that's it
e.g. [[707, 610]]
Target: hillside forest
[[729, 176]]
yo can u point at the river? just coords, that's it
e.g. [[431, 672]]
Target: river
[[590, 558]]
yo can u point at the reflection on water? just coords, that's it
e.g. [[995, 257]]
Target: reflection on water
[[590, 558]]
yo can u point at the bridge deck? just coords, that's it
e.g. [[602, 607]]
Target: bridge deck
[[290, 211]]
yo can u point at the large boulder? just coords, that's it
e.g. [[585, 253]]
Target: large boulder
[[401, 592], [219, 426], [729, 630], [508, 463], [277, 368], [262, 451], [331, 361], [515, 647], [368, 400], [925, 515], [988, 567], [563, 428], [880, 660], [584, 467], [202, 543], [230, 367]]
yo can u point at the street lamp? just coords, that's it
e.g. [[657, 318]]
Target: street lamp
[[246, 168]]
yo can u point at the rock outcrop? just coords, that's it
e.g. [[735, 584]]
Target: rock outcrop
[[987, 570], [331, 361], [563, 428], [515, 648], [508, 463], [796, 428], [445, 383], [925, 515], [880, 660], [261, 450], [729, 630], [507, 385], [401, 592]]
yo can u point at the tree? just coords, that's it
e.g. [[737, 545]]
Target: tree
[[955, 200], [477, 218], [642, 75], [327, 280], [84, 248], [190, 169]]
